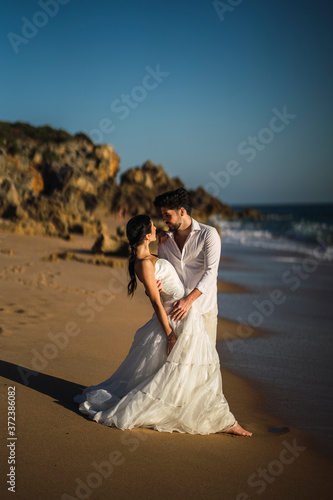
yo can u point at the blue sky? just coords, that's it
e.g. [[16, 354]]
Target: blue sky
[[208, 115]]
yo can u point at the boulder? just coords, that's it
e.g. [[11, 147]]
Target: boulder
[[140, 185], [108, 161], [10, 203], [111, 245]]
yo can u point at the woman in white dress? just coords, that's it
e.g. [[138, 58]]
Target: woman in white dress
[[171, 379]]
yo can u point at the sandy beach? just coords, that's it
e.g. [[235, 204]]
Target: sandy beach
[[67, 324]]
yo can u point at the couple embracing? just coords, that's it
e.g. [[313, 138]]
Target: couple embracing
[[171, 379]]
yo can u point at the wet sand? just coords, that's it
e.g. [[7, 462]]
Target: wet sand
[[291, 363], [67, 324]]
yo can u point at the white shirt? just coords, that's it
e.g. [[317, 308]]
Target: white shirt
[[197, 264]]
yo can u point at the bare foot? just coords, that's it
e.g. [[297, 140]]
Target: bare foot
[[238, 431]]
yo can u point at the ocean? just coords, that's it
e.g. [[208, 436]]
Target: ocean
[[286, 263], [298, 227]]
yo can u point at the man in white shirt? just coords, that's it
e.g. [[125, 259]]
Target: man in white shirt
[[194, 249]]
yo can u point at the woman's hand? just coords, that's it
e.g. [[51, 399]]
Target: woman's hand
[[171, 340], [162, 237]]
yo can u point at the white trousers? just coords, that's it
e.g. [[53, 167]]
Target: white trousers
[[210, 320]]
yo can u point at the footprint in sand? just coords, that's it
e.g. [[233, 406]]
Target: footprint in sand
[[9, 271], [17, 269], [28, 315], [45, 278]]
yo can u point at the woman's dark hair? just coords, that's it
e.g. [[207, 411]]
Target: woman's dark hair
[[136, 229], [174, 200]]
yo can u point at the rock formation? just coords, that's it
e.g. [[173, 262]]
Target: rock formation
[[53, 183]]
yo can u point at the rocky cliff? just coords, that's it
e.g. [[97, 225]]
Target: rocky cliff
[[54, 183]]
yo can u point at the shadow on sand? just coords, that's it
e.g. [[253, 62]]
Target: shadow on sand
[[62, 391]]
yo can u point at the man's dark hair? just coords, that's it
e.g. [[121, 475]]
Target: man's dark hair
[[174, 200]]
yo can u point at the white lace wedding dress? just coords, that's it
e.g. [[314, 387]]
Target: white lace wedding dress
[[181, 392]]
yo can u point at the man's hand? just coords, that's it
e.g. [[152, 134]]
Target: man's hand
[[180, 308], [162, 237]]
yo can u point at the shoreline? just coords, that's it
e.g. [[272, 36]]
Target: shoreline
[[40, 299], [284, 358]]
